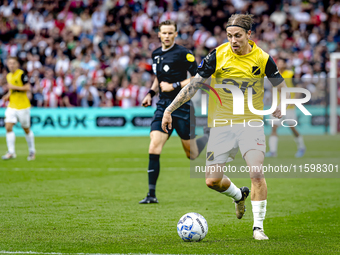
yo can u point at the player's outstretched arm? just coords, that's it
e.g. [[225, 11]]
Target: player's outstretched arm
[[186, 93], [183, 96]]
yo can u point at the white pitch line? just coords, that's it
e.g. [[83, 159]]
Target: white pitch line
[[55, 169], [140, 169], [119, 169], [60, 253]]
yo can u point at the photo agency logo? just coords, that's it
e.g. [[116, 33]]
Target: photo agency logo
[[238, 97]]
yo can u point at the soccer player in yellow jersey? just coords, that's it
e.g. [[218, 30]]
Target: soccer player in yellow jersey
[[239, 62], [18, 108], [291, 115]]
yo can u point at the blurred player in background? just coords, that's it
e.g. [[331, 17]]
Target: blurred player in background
[[291, 115], [239, 62], [18, 108], [171, 63]]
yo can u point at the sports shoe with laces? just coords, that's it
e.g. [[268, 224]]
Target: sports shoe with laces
[[149, 200], [240, 206], [9, 156], [258, 234]]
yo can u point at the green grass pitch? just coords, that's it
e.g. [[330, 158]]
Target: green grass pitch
[[81, 196]]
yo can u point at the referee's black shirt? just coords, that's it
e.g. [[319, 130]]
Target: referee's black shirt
[[172, 66]]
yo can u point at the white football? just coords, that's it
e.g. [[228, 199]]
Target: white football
[[192, 227]]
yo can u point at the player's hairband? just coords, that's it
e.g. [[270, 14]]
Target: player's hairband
[[238, 26]]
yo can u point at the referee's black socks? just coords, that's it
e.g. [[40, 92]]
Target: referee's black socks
[[153, 172]]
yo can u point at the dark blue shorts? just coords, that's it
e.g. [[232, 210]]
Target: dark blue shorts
[[183, 121]]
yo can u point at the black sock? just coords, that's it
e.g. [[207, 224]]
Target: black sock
[[201, 142], [153, 173]]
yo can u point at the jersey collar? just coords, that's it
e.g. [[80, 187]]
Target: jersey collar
[[169, 48], [252, 44], [15, 71]]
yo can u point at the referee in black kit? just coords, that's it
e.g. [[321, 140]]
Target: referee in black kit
[[171, 63]]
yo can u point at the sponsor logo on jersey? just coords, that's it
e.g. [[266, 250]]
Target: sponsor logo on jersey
[[256, 70]]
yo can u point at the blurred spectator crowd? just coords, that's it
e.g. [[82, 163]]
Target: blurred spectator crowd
[[98, 53]]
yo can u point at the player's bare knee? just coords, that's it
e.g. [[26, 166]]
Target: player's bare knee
[[258, 181], [192, 155], [9, 127], [213, 183], [155, 148]]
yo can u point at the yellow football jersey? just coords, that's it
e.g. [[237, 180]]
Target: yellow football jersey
[[242, 71], [18, 99]]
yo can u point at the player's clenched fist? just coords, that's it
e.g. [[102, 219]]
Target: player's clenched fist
[[147, 100], [277, 113], [166, 121], [166, 87]]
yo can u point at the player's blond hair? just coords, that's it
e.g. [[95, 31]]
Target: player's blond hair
[[244, 21], [14, 58]]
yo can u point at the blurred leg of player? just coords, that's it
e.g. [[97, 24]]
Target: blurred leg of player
[[10, 121], [299, 142], [30, 142], [273, 142], [24, 118], [273, 139], [10, 140]]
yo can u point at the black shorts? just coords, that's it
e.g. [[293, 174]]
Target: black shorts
[[183, 120]]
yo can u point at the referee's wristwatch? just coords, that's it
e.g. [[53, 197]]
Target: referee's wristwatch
[[175, 85]]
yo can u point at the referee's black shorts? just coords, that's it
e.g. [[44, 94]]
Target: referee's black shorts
[[183, 121]]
